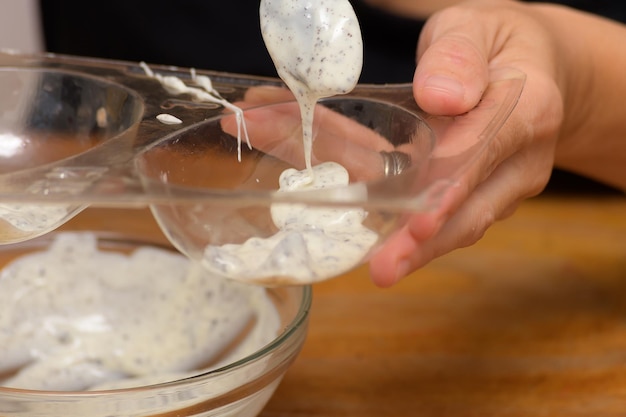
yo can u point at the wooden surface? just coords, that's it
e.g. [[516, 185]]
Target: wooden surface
[[529, 322]]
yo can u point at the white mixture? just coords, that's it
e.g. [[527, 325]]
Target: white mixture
[[203, 92], [318, 52], [313, 243], [74, 317], [317, 49], [20, 222]]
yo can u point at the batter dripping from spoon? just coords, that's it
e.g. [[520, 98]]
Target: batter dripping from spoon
[[317, 49]]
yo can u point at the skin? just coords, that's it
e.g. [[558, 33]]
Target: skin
[[568, 116]]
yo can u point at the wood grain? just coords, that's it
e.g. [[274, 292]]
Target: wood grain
[[531, 321]]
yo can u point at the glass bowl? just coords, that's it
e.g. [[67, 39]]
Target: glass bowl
[[206, 151], [238, 381], [49, 116]]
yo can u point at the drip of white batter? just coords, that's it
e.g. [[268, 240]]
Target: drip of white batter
[[204, 92], [168, 119], [317, 49], [75, 317]]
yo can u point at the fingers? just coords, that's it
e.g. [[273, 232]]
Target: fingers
[[516, 165], [453, 62], [263, 95], [426, 237]]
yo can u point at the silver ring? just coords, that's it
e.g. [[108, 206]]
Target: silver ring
[[395, 162]]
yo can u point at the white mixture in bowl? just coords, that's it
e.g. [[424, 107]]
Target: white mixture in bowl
[[75, 317], [312, 244], [317, 50]]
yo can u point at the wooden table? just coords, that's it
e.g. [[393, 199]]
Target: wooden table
[[531, 321]]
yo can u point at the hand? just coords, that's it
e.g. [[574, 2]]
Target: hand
[[459, 49]]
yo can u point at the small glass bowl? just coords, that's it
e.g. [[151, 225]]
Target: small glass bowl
[[240, 388], [219, 201]]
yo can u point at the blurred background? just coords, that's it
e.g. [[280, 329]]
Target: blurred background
[[20, 27]]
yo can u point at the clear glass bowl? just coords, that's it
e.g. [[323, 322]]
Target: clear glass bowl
[[239, 388], [49, 117], [208, 190]]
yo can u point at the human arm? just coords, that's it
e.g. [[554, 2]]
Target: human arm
[[592, 141]]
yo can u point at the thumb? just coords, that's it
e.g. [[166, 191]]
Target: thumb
[[453, 63]]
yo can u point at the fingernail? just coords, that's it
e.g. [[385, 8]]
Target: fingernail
[[403, 268], [443, 84]]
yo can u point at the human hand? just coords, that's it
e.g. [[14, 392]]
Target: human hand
[[459, 50]]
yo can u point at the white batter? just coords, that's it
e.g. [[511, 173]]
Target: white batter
[[203, 92], [168, 119], [74, 317], [317, 50], [313, 243]]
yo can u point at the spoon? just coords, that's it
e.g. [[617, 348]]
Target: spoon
[[317, 50]]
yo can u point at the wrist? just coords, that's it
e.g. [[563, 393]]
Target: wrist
[[590, 77]]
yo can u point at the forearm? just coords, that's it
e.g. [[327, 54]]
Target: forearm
[[592, 77]]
